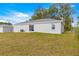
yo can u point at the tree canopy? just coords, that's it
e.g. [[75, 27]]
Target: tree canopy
[[5, 23]]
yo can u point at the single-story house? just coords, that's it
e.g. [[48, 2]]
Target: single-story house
[[41, 25]]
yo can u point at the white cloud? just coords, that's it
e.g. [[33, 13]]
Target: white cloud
[[21, 15], [16, 17]]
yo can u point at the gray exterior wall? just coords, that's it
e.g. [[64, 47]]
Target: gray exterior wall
[[62, 27], [6, 28]]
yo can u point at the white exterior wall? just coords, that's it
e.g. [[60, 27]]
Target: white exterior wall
[[1, 29], [17, 28], [40, 27], [47, 28]]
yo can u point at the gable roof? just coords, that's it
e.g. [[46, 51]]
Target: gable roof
[[39, 21]]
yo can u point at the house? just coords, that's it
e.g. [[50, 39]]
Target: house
[[6, 28], [41, 25]]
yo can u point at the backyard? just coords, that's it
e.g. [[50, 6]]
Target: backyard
[[38, 44]]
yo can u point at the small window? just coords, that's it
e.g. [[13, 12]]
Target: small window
[[21, 30], [53, 26], [31, 27]]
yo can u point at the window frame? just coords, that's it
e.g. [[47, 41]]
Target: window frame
[[31, 27], [53, 26]]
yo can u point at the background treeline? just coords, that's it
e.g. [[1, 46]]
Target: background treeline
[[5, 23]]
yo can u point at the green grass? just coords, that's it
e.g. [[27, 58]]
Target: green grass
[[38, 44]]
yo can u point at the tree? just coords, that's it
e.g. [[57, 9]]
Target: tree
[[53, 11], [77, 22], [66, 12], [45, 13], [77, 29], [34, 17], [38, 13]]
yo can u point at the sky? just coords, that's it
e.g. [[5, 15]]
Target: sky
[[20, 12]]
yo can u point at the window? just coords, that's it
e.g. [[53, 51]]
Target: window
[[53, 26], [21, 30], [31, 27]]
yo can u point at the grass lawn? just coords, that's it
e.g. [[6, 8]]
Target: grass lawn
[[38, 44]]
